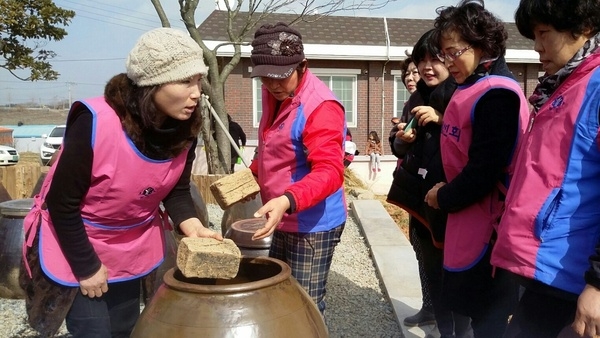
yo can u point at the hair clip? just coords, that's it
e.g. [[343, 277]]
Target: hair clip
[[475, 2]]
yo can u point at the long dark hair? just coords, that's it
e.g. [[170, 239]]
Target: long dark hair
[[375, 136], [141, 119]]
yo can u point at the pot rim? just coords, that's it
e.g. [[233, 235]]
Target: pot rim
[[16, 207], [172, 282]]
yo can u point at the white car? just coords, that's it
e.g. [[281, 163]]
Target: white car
[[8, 155], [52, 143]]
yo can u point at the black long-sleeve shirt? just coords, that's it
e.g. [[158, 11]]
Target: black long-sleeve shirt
[[495, 128], [71, 182]]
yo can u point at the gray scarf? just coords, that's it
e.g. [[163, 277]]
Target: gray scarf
[[549, 83]]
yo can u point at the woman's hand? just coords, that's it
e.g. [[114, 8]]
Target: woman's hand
[[407, 136], [274, 210], [427, 114], [587, 317], [95, 285], [192, 227], [431, 197]]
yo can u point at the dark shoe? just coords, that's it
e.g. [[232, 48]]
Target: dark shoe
[[423, 317]]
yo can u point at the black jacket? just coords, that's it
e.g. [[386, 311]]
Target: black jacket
[[238, 135], [421, 166]]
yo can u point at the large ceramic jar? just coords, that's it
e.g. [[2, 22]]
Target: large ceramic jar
[[12, 214], [262, 301]]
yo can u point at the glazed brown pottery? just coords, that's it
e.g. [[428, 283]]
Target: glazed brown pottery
[[262, 301], [240, 232], [12, 214], [238, 211]]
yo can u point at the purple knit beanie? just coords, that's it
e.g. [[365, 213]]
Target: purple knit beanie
[[277, 51]]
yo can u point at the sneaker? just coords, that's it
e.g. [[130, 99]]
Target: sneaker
[[423, 317], [378, 169], [373, 169]]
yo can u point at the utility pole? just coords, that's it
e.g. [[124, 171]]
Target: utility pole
[[69, 84]]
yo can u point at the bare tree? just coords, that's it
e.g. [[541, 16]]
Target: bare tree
[[254, 12]]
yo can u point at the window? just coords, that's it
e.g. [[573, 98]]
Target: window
[[257, 90], [401, 95], [343, 86]]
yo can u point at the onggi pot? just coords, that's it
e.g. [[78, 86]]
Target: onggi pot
[[12, 214], [262, 301]]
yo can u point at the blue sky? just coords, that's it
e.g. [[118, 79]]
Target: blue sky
[[103, 31]]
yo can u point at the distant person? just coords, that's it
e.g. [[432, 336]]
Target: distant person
[[349, 149], [549, 236], [410, 74], [374, 150], [299, 163], [239, 137], [96, 227], [410, 78]]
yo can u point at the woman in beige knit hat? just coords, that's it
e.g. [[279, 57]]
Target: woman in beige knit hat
[[96, 228]]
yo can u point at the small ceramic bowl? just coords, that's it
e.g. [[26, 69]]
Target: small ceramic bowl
[[241, 233]]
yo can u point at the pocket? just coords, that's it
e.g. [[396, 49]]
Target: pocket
[[544, 223]]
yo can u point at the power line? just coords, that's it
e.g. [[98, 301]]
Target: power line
[[86, 60], [52, 85], [128, 13], [114, 23]]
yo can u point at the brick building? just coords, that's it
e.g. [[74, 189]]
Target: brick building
[[360, 58]]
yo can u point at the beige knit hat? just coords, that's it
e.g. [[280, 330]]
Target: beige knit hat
[[164, 55]]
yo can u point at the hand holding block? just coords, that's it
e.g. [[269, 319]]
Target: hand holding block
[[208, 258], [233, 188]]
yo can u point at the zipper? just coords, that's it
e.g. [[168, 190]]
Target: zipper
[[531, 120]]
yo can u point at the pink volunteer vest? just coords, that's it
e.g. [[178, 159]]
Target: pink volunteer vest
[[469, 230], [121, 209]]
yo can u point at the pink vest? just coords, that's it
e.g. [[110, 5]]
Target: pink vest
[[469, 230], [121, 209], [283, 161], [551, 226]]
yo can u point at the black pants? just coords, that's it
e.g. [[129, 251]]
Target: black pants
[[431, 269], [423, 251], [233, 162], [540, 315], [112, 315], [486, 295]]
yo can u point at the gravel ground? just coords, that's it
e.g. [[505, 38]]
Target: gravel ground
[[356, 303]]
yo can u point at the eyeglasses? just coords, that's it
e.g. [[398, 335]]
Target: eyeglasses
[[452, 56], [414, 72]]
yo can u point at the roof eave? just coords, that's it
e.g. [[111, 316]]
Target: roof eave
[[365, 52]]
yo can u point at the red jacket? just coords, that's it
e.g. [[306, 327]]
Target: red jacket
[[300, 153]]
